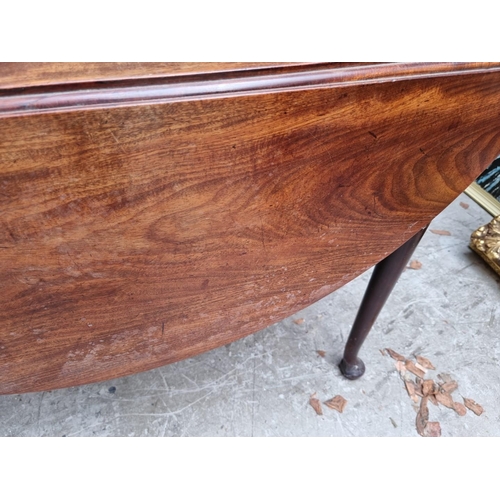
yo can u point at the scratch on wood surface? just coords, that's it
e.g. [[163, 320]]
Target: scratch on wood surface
[[117, 142]]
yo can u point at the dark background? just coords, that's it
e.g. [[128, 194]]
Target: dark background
[[489, 180]]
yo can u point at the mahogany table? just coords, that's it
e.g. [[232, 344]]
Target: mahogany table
[[150, 212]]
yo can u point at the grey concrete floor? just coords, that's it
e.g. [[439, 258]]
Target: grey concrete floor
[[446, 311]]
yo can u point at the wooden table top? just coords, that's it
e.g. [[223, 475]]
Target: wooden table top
[[150, 212]]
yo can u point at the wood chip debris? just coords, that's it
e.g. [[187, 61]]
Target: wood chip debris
[[441, 232], [428, 390], [400, 367], [444, 399], [459, 408], [428, 387], [473, 406], [415, 264], [418, 385], [422, 416], [432, 429], [410, 366], [464, 205], [424, 362], [316, 404], [395, 355], [411, 388], [321, 353], [449, 386], [424, 427], [420, 367], [445, 377], [336, 403], [299, 321]]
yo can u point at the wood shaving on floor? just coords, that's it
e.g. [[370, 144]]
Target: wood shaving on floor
[[424, 391], [316, 404], [415, 264], [337, 403], [441, 232], [471, 405]]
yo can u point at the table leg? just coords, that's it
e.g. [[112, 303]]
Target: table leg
[[384, 277]]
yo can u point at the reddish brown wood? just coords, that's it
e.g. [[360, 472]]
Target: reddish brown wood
[[16, 75], [138, 233], [174, 87]]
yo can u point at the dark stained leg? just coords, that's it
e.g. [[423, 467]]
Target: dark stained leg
[[384, 277]]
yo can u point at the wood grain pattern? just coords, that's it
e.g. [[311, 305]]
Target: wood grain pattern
[[173, 88], [15, 75], [135, 236]]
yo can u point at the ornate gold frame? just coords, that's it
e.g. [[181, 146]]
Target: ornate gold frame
[[485, 241], [483, 198]]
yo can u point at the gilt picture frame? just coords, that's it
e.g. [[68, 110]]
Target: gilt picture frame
[[485, 191]]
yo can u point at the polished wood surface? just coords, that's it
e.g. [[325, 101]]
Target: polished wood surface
[[16, 75], [142, 229]]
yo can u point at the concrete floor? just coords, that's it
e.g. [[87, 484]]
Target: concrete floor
[[446, 311]]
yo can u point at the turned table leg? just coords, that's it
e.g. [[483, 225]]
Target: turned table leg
[[384, 277]]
